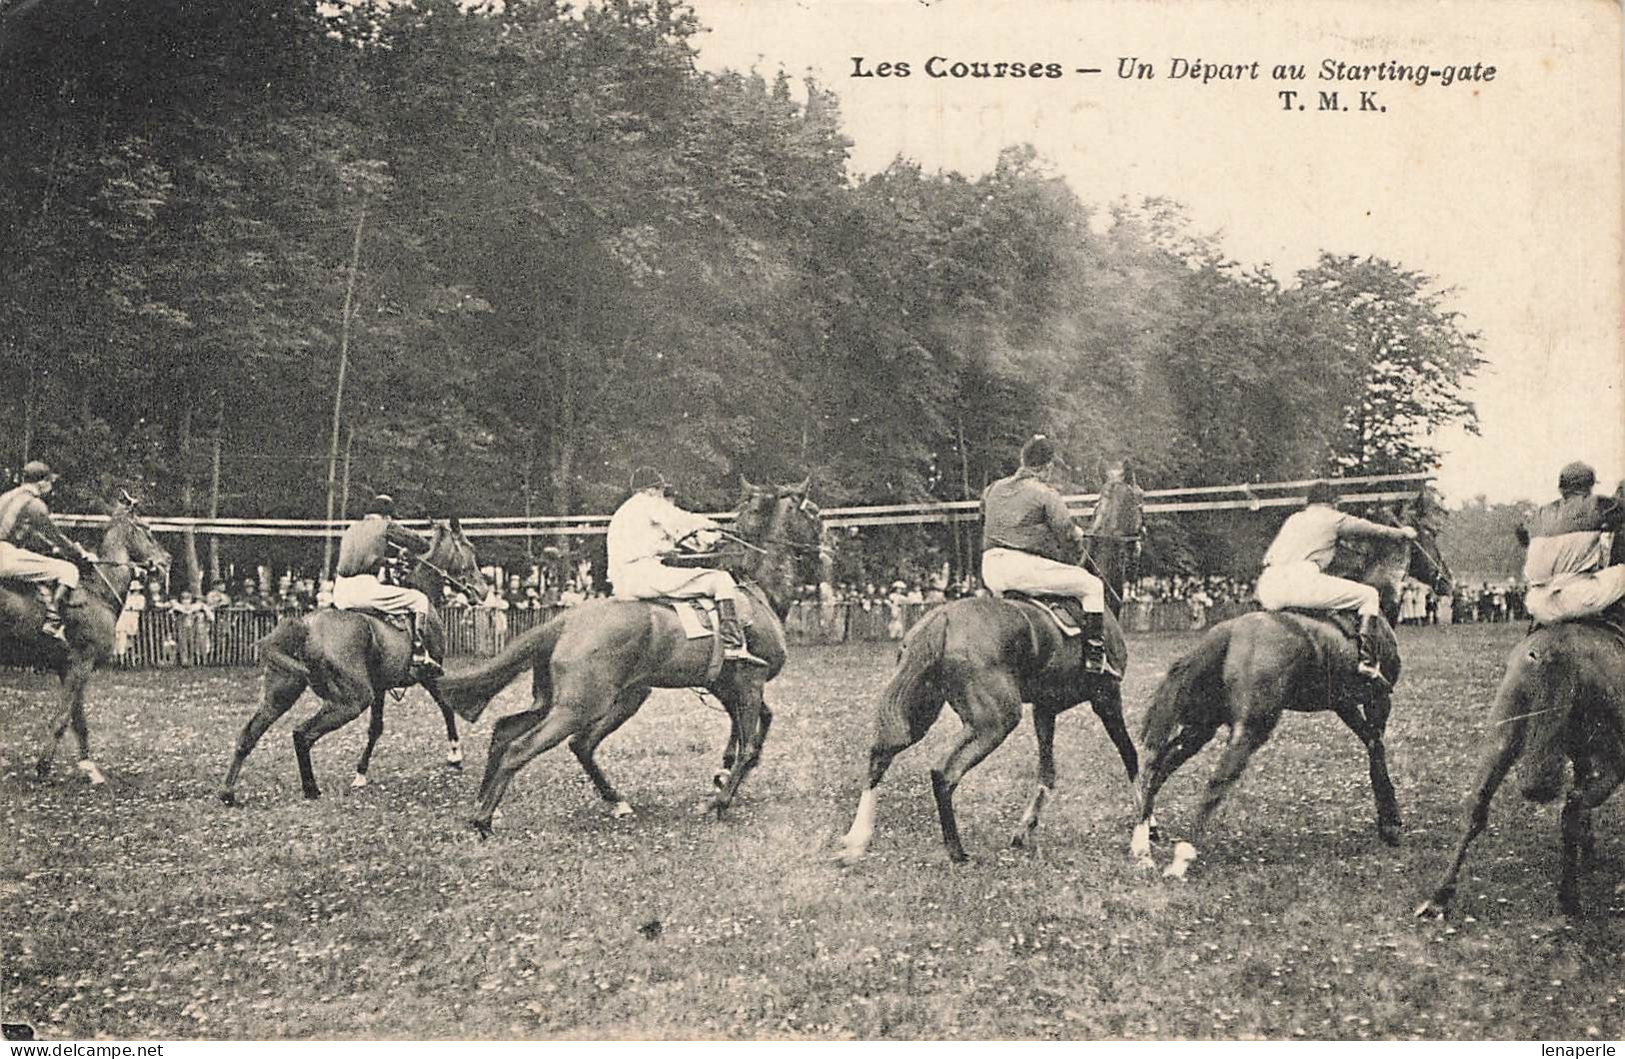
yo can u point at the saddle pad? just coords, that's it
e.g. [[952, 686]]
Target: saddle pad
[[396, 620], [1345, 621], [694, 615], [1057, 607]]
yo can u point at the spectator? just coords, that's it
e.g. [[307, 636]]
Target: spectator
[[192, 627], [324, 595], [129, 621]]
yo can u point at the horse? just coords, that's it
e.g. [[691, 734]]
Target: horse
[[90, 614], [595, 664], [350, 660], [985, 656], [1562, 698], [1245, 672]]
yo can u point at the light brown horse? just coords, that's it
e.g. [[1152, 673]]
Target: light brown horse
[[985, 657], [351, 660], [88, 619], [595, 664], [1246, 672], [1562, 700]]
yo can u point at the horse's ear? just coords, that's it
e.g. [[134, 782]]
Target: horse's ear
[[456, 525], [801, 487], [745, 488]]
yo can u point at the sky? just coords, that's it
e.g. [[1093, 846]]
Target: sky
[[1509, 190]]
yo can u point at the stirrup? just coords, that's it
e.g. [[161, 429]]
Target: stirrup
[[1370, 671], [424, 667], [741, 654], [1094, 656], [54, 629]]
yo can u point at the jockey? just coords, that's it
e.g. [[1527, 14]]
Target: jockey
[[364, 553], [25, 518], [642, 531], [1294, 568], [1026, 529], [1567, 562]]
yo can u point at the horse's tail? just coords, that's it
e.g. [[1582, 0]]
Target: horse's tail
[[471, 690], [284, 646], [918, 677], [1191, 681], [1542, 699]]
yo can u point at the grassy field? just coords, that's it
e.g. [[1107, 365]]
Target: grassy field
[[148, 909]]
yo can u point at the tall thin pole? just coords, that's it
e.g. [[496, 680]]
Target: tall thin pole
[[344, 489], [338, 389]]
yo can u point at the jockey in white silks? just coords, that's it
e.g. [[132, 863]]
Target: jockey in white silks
[[1026, 529], [24, 518], [364, 553], [1295, 575], [643, 531], [1566, 566]]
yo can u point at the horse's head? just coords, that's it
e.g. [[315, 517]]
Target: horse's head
[[1426, 563], [128, 538], [783, 522], [451, 556]]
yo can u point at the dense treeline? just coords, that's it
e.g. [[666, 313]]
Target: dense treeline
[[549, 248]]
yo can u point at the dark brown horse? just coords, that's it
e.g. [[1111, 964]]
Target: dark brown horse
[[1562, 700], [351, 660], [987, 656], [1247, 671], [595, 664], [89, 618]]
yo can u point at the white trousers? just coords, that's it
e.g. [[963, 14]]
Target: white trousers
[[1576, 597], [649, 578], [20, 564], [1304, 585], [1005, 570], [365, 590]]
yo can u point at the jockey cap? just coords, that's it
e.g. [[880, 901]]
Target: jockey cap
[[1322, 492], [1577, 477], [1038, 452], [38, 471], [382, 504], [648, 478]]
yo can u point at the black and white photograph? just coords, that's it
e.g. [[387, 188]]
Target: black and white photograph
[[774, 520]]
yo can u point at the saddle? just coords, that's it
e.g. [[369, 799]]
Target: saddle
[[1065, 611], [397, 621], [1346, 622], [698, 617]]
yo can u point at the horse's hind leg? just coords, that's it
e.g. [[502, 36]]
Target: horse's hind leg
[[331, 716], [1576, 818], [1165, 761], [70, 710], [375, 728], [901, 721], [1369, 727], [280, 691], [1246, 736], [991, 710], [454, 748], [524, 742], [1044, 730], [585, 745], [748, 715]]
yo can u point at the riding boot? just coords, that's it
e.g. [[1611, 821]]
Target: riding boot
[[1365, 643], [52, 626], [1094, 642], [424, 667], [734, 648]]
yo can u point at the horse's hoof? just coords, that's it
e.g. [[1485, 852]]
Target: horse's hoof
[[312, 795], [1433, 908], [846, 856], [228, 797], [621, 811], [481, 828], [92, 773], [458, 765], [719, 778], [1145, 862], [359, 781], [1022, 839], [1389, 833], [958, 856], [42, 768], [1184, 854]]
